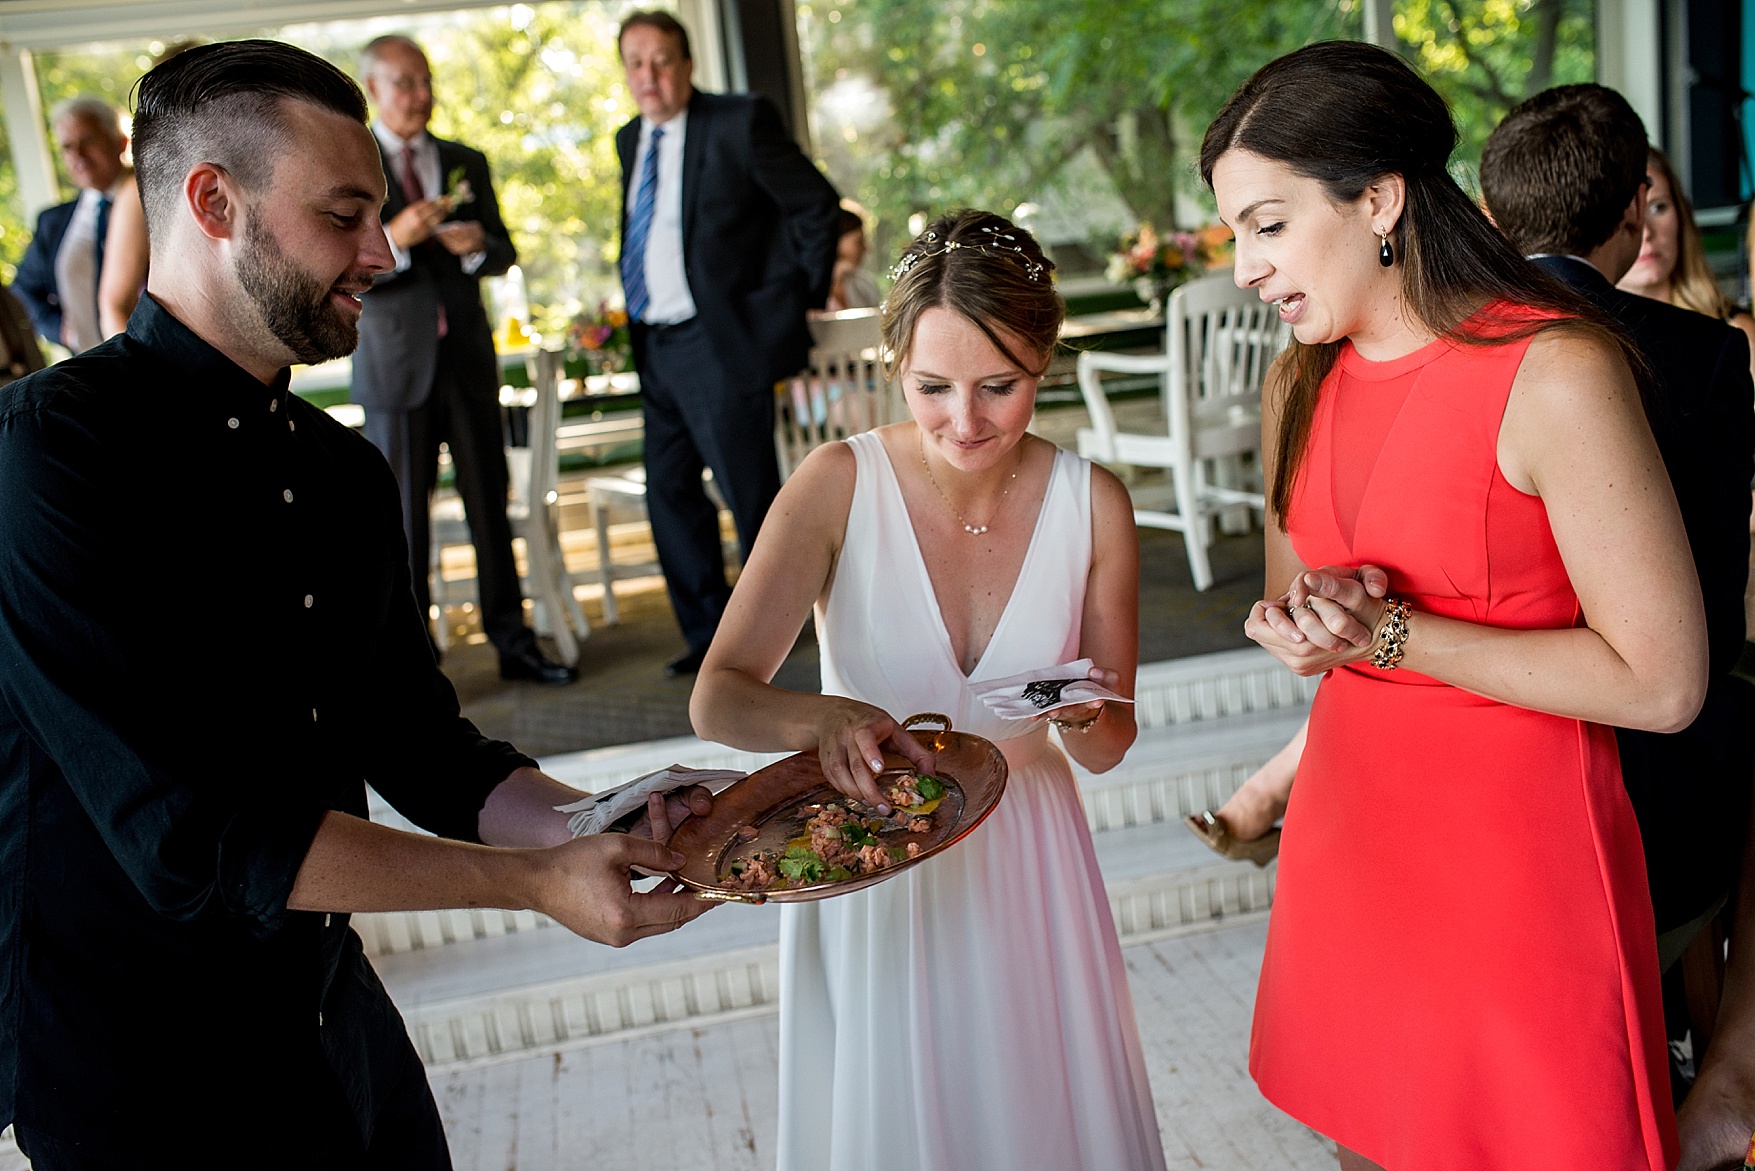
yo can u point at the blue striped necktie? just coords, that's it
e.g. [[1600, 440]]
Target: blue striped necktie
[[639, 228]]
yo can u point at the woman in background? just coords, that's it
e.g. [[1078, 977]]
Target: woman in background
[[1672, 265]]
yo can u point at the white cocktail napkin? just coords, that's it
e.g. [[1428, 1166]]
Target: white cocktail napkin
[[1019, 697], [598, 812]]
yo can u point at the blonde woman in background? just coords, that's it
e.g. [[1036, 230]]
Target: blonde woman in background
[[1672, 265]]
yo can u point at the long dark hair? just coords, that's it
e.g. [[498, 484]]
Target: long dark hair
[[1347, 114]]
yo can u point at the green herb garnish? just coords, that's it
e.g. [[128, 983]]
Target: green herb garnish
[[802, 864], [898, 853], [839, 874], [855, 834], [929, 787]]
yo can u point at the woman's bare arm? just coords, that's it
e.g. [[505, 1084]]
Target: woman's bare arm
[[789, 569], [1110, 626], [125, 256]]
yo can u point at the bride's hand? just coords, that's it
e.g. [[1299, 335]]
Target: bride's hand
[[850, 741], [1081, 713], [1329, 617]]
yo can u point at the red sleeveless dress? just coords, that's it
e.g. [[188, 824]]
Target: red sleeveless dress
[[1461, 968]]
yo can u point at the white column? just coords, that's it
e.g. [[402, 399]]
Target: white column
[[38, 187], [795, 73], [1629, 36], [706, 41], [1380, 24]]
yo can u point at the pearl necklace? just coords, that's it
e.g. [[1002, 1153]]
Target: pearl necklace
[[972, 530]]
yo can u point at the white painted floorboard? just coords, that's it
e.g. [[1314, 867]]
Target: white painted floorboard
[[706, 1098]]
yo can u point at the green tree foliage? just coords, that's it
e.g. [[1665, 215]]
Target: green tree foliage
[[923, 105], [1486, 56], [537, 88]]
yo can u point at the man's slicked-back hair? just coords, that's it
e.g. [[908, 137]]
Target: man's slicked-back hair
[[1558, 173], [664, 22], [223, 104]]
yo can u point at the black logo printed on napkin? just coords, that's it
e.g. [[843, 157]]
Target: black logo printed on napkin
[[1045, 693]]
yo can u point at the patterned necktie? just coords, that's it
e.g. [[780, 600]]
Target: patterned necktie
[[103, 229], [639, 228], [414, 191]]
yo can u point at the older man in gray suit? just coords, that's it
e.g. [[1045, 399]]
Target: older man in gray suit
[[425, 370]]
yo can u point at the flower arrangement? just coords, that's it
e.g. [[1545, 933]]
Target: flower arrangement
[[601, 335], [1156, 262]]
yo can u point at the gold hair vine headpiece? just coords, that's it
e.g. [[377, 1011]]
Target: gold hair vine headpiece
[[997, 241]]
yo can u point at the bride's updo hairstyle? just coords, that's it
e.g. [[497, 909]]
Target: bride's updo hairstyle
[[1347, 114], [987, 269]]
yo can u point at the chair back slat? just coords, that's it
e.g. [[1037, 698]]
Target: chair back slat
[[841, 392]]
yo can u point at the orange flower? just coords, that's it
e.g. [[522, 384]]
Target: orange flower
[[1215, 236]]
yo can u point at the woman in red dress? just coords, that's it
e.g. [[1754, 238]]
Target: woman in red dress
[[1460, 971]]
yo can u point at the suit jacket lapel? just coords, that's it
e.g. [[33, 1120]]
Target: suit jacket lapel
[[627, 143], [694, 159], [394, 200]]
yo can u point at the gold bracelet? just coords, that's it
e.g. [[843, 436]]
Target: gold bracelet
[[1076, 725], [1392, 635]]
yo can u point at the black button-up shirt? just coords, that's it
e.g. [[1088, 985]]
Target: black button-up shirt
[[207, 641]]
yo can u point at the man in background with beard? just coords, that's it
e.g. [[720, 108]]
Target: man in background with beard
[[208, 646]]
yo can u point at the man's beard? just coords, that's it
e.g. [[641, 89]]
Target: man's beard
[[294, 304]]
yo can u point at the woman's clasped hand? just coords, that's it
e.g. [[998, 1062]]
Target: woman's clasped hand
[[1327, 618]]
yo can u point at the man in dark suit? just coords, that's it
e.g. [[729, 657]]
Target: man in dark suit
[[425, 370], [728, 237], [58, 276], [1564, 176]]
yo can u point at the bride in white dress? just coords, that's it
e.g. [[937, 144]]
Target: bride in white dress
[[974, 1011]]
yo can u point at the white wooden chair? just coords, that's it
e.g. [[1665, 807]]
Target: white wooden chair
[[840, 392], [533, 509], [1220, 340]]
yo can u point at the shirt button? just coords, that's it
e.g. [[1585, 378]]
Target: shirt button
[[232, 423], [286, 495], [274, 404], [309, 601], [313, 715], [289, 425]]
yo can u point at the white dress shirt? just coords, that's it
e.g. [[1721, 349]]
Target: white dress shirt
[[426, 169], [667, 284], [76, 275]]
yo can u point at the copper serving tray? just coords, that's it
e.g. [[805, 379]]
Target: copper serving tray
[[771, 797]]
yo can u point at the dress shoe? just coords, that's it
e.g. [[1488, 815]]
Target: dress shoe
[[531, 664], [685, 665], [1210, 828]]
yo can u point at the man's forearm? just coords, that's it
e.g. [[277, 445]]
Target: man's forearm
[[521, 811], [354, 865]]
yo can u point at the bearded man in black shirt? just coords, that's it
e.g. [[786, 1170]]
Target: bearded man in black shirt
[[208, 646]]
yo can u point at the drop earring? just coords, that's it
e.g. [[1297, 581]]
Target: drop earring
[[1385, 254]]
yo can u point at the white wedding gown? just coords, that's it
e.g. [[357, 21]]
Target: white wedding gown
[[973, 1012]]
